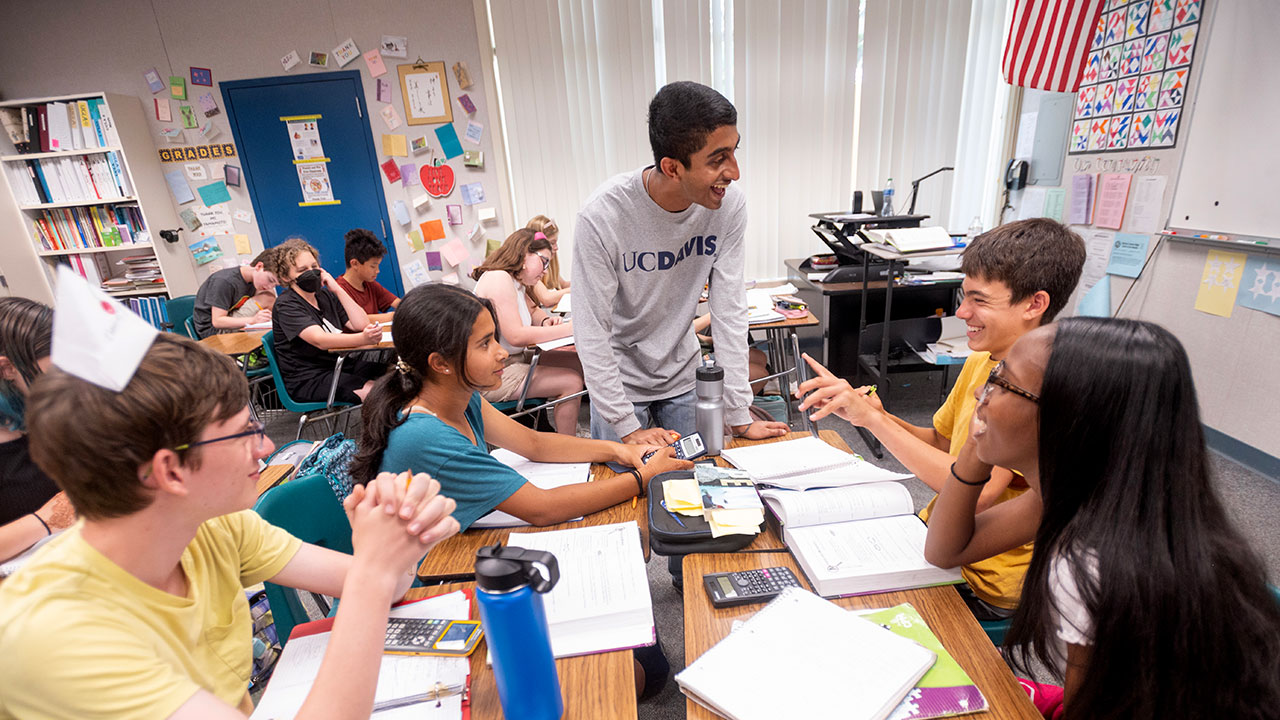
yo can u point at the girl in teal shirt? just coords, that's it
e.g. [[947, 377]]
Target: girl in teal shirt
[[427, 415]]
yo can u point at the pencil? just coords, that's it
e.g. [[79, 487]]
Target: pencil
[[873, 389]]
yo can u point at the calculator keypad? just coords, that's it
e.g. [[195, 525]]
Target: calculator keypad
[[769, 581], [413, 633]]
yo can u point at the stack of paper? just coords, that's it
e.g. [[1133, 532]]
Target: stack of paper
[[544, 476], [805, 463], [726, 499], [802, 656]]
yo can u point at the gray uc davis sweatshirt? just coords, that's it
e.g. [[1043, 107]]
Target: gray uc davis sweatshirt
[[638, 273]]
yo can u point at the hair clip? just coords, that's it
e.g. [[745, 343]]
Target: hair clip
[[403, 367], [539, 235]]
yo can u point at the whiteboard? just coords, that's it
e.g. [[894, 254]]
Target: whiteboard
[[1227, 182]]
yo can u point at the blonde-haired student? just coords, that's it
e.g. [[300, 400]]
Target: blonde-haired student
[[552, 287]]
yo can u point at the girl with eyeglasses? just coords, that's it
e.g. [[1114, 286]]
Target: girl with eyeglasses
[[1140, 593], [552, 287], [507, 279]]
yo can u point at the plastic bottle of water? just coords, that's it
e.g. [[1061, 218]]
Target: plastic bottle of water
[[975, 229], [886, 208]]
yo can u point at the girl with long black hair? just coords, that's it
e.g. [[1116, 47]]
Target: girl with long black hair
[[426, 413], [1140, 593]]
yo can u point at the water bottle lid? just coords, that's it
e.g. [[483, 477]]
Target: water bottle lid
[[710, 373], [499, 569]]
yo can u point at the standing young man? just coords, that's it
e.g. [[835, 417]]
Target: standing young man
[[1017, 277], [646, 243], [224, 291], [364, 253], [139, 610]]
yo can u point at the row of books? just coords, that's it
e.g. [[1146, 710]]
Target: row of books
[[75, 125], [90, 227], [76, 178], [152, 309], [141, 272]]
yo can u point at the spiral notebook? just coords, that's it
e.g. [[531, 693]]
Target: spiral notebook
[[804, 657]]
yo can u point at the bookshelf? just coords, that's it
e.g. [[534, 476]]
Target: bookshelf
[[98, 203]]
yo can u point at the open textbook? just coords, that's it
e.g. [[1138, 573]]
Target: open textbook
[[856, 540], [804, 657], [805, 463]]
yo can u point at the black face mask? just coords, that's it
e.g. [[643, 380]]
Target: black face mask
[[309, 281]]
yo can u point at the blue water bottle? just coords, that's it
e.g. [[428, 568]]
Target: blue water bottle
[[510, 588]]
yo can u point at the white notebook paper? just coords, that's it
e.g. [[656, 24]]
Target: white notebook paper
[[804, 657], [804, 463], [602, 600], [543, 476]]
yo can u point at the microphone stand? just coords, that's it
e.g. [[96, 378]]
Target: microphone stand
[[915, 186]]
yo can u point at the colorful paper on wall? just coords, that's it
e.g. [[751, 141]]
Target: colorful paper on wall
[[409, 174], [243, 216], [188, 116], [432, 230], [1055, 200], [473, 158], [394, 145], [214, 193], [1220, 282], [1148, 198], [152, 78], [177, 87], [313, 178], [190, 220], [472, 193], [419, 144], [205, 250], [401, 211], [1128, 254], [448, 139], [434, 261], [455, 214], [416, 273], [449, 278], [242, 245], [163, 111], [1260, 288], [373, 59], [208, 106], [390, 169], [304, 139], [346, 52], [415, 240], [384, 90], [391, 117], [290, 61], [1113, 194], [1081, 210], [179, 187], [454, 252], [195, 171], [214, 220], [464, 102], [474, 132]]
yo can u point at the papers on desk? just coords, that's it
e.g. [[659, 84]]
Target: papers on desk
[[725, 498], [602, 601], [265, 325], [563, 307], [544, 476], [399, 676], [805, 463], [760, 308], [386, 336], [802, 656], [553, 344], [952, 347]]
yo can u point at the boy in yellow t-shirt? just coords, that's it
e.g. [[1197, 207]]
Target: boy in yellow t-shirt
[[1017, 277], [138, 611]]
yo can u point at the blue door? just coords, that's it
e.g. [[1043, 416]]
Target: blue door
[[255, 108]]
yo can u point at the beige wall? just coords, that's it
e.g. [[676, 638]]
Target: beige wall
[[44, 51]]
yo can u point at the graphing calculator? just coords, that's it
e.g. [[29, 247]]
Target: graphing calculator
[[426, 636], [687, 448], [748, 586]]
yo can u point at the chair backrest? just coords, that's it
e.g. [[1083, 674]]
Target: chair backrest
[[903, 334], [308, 509], [179, 310], [269, 349]]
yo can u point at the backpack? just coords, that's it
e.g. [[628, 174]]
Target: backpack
[[332, 459]]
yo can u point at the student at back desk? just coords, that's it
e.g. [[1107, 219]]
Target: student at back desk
[[363, 254], [226, 291]]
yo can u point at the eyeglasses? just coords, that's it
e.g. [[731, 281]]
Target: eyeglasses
[[255, 428], [546, 261], [994, 380]]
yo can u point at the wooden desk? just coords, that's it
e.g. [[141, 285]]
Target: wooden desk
[[593, 686], [783, 341], [941, 608], [272, 475], [455, 558], [236, 343]]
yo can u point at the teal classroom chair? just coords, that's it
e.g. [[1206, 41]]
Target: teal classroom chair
[[179, 310], [327, 410], [308, 509], [996, 630]]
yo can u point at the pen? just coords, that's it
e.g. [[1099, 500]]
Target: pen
[[673, 515], [439, 691]]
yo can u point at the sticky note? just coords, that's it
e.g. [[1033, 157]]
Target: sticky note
[[1220, 282], [434, 262], [401, 211], [373, 59], [390, 170], [433, 230], [409, 172], [448, 138], [395, 146], [415, 240], [454, 251], [242, 245]]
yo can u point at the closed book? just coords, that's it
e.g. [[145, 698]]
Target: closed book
[[96, 120], [86, 124], [37, 175], [946, 690], [59, 126], [856, 540], [42, 111], [108, 123]]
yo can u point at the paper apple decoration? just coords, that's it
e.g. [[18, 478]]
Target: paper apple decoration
[[437, 180]]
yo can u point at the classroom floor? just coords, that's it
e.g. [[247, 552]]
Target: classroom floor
[[1249, 497]]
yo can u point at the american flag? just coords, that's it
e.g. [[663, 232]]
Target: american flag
[[1048, 42]]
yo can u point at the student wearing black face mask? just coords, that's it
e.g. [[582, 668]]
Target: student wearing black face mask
[[311, 317]]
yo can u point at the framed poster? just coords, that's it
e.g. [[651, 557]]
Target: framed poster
[[426, 93]]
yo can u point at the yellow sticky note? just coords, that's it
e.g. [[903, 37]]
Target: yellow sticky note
[[242, 245], [682, 496], [395, 146], [1220, 282], [415, 240]]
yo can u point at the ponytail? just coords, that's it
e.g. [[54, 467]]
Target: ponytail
[[381, 413]]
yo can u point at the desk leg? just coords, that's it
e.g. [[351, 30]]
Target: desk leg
[[776, 358], [802, 374]]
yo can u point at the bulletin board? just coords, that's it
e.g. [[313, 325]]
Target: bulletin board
[[1227, 180]]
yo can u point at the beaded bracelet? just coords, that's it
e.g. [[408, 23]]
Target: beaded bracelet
[[639, 482], [966, 482]]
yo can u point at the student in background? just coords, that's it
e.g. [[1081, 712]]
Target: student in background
[[427, 414], [1017, 277], [646, 243], [1141, 594], [225, 291], [364, 253], [140, 611], [31, 507], [757, 362], [312, 316], [552, 287], [507, 278]]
